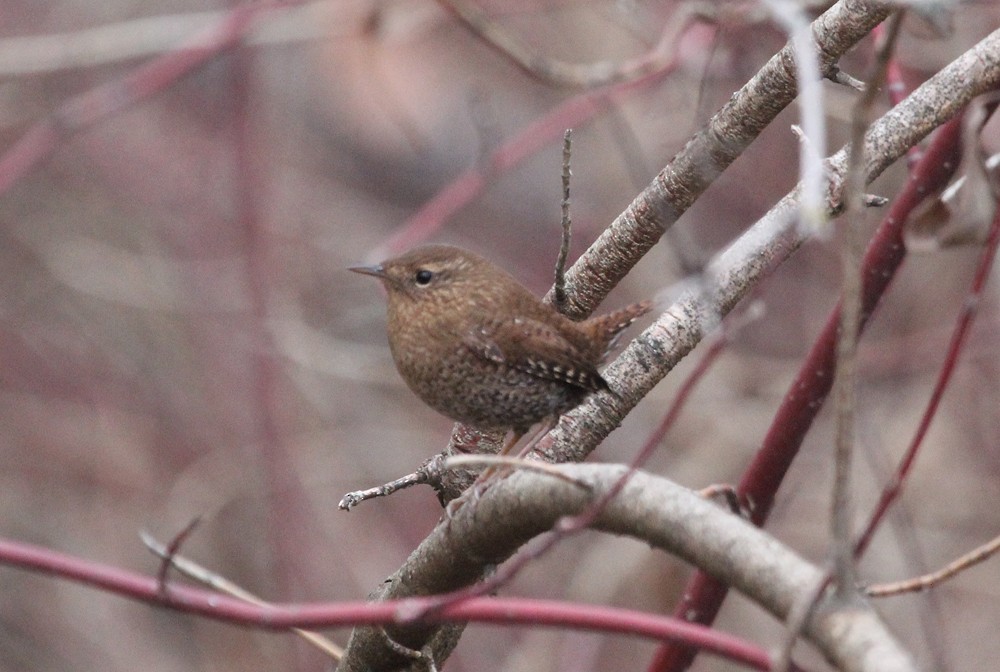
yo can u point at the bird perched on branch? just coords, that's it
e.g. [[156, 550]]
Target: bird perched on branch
[[477, 346]]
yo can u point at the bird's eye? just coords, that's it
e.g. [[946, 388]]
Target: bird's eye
[[423, 277]]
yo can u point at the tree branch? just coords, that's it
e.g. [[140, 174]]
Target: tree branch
[[708, 153], [489, 529]]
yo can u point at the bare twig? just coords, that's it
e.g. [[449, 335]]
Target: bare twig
[[567, 227], [845, 385], [354, 498], [845, 79], [927, 581]]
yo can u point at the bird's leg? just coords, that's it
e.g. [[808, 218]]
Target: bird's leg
[[511, 441], [489, 472], [543, 428]]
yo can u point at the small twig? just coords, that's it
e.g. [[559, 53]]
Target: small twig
[[870, 200], [928, 581], [352, 499], [874, 201], [838, 76], [171, 550], [567, 226], [401, 649], [432, 471], [206, 577]]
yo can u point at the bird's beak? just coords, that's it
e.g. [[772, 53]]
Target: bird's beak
[[377, 270]]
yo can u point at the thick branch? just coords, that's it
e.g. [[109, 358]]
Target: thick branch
[[708, 153], [513, 511]]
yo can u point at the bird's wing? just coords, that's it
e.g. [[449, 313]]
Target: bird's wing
[[535, 348]]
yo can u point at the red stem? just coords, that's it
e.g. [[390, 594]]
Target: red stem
[[970, 308], [319, 615]]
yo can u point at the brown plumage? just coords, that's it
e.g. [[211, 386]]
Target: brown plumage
[[477, 346]]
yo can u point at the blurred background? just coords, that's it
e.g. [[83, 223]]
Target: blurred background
[[179, 336]]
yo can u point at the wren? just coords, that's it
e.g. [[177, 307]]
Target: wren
[[478, 347]]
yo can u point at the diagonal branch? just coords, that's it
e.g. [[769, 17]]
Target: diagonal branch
[[708, 153]]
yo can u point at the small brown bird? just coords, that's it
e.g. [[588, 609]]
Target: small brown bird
[[477, 346]]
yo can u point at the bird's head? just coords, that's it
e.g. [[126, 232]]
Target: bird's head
[[434, 275]]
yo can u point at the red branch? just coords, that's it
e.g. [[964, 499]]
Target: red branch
[[965, 319], [503, 611]]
